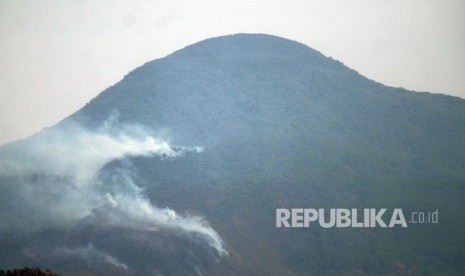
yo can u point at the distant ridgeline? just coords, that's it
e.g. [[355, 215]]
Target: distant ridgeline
[[252, 123]]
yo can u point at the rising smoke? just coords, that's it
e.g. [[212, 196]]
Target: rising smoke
[[91, 256], [54, 175]]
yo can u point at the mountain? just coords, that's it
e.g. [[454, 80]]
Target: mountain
[[178, 169]]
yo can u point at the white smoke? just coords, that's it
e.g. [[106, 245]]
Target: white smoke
[[72, 150], [139, 213], [76, 155], [92, 256]]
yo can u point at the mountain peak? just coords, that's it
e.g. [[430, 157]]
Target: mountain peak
[[249, 49], [245, 44], [200, 91], [221, 78]]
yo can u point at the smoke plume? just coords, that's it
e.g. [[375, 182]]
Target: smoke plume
[[54, 175]]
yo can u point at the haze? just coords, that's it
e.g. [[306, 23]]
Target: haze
[[57, 56]]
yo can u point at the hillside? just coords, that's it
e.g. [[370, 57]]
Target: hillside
[[252, 123]]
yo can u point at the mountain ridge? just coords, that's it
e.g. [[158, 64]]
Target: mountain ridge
[[255, 123]]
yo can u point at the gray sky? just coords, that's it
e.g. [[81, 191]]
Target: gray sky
[[55, 56]]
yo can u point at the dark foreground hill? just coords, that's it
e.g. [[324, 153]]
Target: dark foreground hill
[[27, 272], [255, 123]]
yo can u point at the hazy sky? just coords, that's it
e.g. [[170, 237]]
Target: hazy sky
[[57, 55]]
